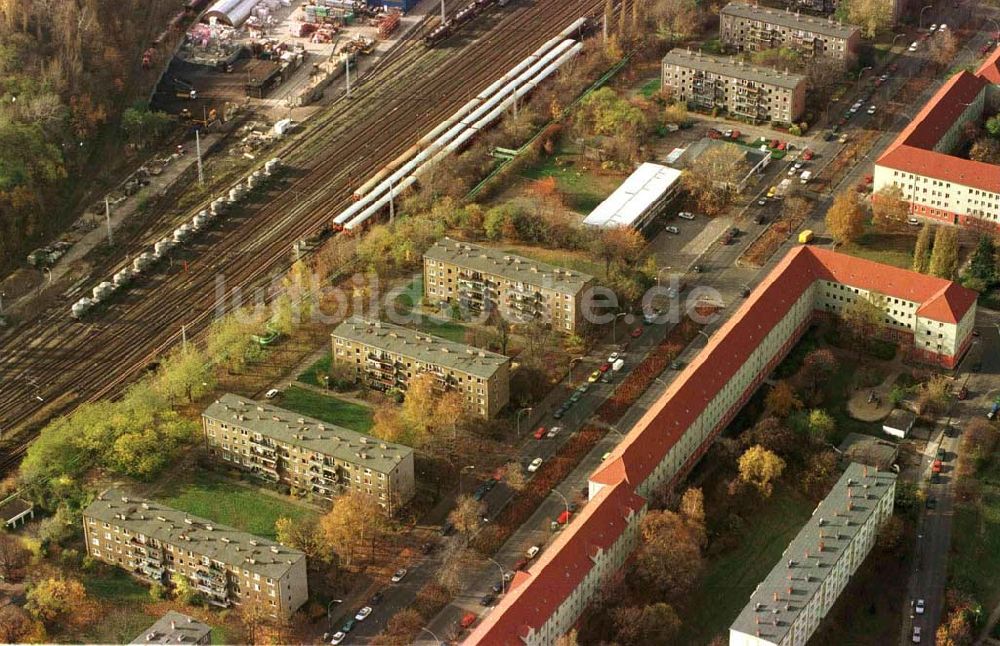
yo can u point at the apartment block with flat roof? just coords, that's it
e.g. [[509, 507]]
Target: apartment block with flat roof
[[481, 279], [387, 356], [226, 566], [745, 91], [176, 628], [752, 28], [310, 456], [796, 595]]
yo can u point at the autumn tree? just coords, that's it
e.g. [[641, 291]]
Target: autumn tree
[[619, 245], [781, 399], [54, 600], [761, 468], [921, 248], [184, 373], [353, 522], [467, 516], [943, 47], [17, 626], [891, 535], [669, 558], [675, 19], [402, 627], [821, 424], [872, 16], [256, 619], [184, 592], [14, 556], [455, 562], [862, 317], [944, 255], [692, 510], [845, 219], [986, 150], [890, 211], [303, 534], [934, 395], [604, 112], [515, 476], [713, 178], [675, 113], [656, 623], [820, 473], [817, 366]]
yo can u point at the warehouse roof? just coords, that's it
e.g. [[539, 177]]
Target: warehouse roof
[[785, 18], [174, 628], [511, 267], [427, 349], [810, 558], [633, 198], [308, 433], [726, 67], [171, 526]]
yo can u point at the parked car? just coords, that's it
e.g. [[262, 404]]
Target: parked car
[[398, 575], [919, 607], [676, 365], [605, 367], [376, 598], [916, 634], [338, 637], [497, 588], [271, 394], [931, 503], [605, 456], [941, 454], [533, 551], [487, 599], [936, 466], [762, 201], [872, 109], [363, 613], [559, 412], [808, 154], [636, 333], [537, 462], [943, 27], [686, 215], [348, 626], [614, 356], [539, 432], [913, 47], [932, 28], [555, 430], [594, 376], [427, 547], [673, 230]]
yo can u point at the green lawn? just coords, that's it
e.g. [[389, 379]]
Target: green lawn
[[241, 506], [890, 248], [651, 87], [323, 365], [975, 546], [583, 189], [329, 409], [124, 599], [730, 578], [446, 329]]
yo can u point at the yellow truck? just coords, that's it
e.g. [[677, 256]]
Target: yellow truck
[[805, 237]]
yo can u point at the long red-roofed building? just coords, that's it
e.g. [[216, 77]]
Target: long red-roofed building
[[939, 185], [932, 318]]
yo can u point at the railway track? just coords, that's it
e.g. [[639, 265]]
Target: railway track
[[56, 359]]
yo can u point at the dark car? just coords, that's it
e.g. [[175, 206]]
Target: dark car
[[447, 529], [931, 503], [349, 626], [697, 269], [427, 547], [744, 291], [376, 598], [676, 365], [497, 588], [488, 599], [941, 454]]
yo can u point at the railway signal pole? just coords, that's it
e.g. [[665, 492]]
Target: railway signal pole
[[107, 218], [444, 16], [347, 64], [197, 148]]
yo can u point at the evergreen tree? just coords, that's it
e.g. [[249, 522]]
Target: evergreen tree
[[944, 256], [921, 248]]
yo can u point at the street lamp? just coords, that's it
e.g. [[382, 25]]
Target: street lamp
[[893, 44], [427, 630], [862, 72], [503, 582], [565, 501], [461, 471], [329, 619], [920, 24], [614, 327], [573, 361], [523, 410]]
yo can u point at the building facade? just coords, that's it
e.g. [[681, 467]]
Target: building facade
[[676, 430], [481, 279], [638, 200], [176, 628], [309, 456], [227, 567], [752, 28], [796, 595], [938, 185], [387, 356], [744, 91]]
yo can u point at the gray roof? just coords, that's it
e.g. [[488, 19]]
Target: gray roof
[[823, 26], [308, 433], [422, 347], [732, 68], [804, 566], [512, 267], [174, 628], [869, 450], [219, 542], [900, 419]]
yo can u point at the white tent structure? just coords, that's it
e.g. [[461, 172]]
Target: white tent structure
[[230, 12]]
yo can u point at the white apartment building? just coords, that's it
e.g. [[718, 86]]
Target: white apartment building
[[796, 595]]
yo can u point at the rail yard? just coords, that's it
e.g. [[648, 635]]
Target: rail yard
[[52, 362]]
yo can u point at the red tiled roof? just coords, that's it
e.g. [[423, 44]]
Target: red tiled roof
[[990, 69], [913, 150], [559, 568], [536, 595]]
